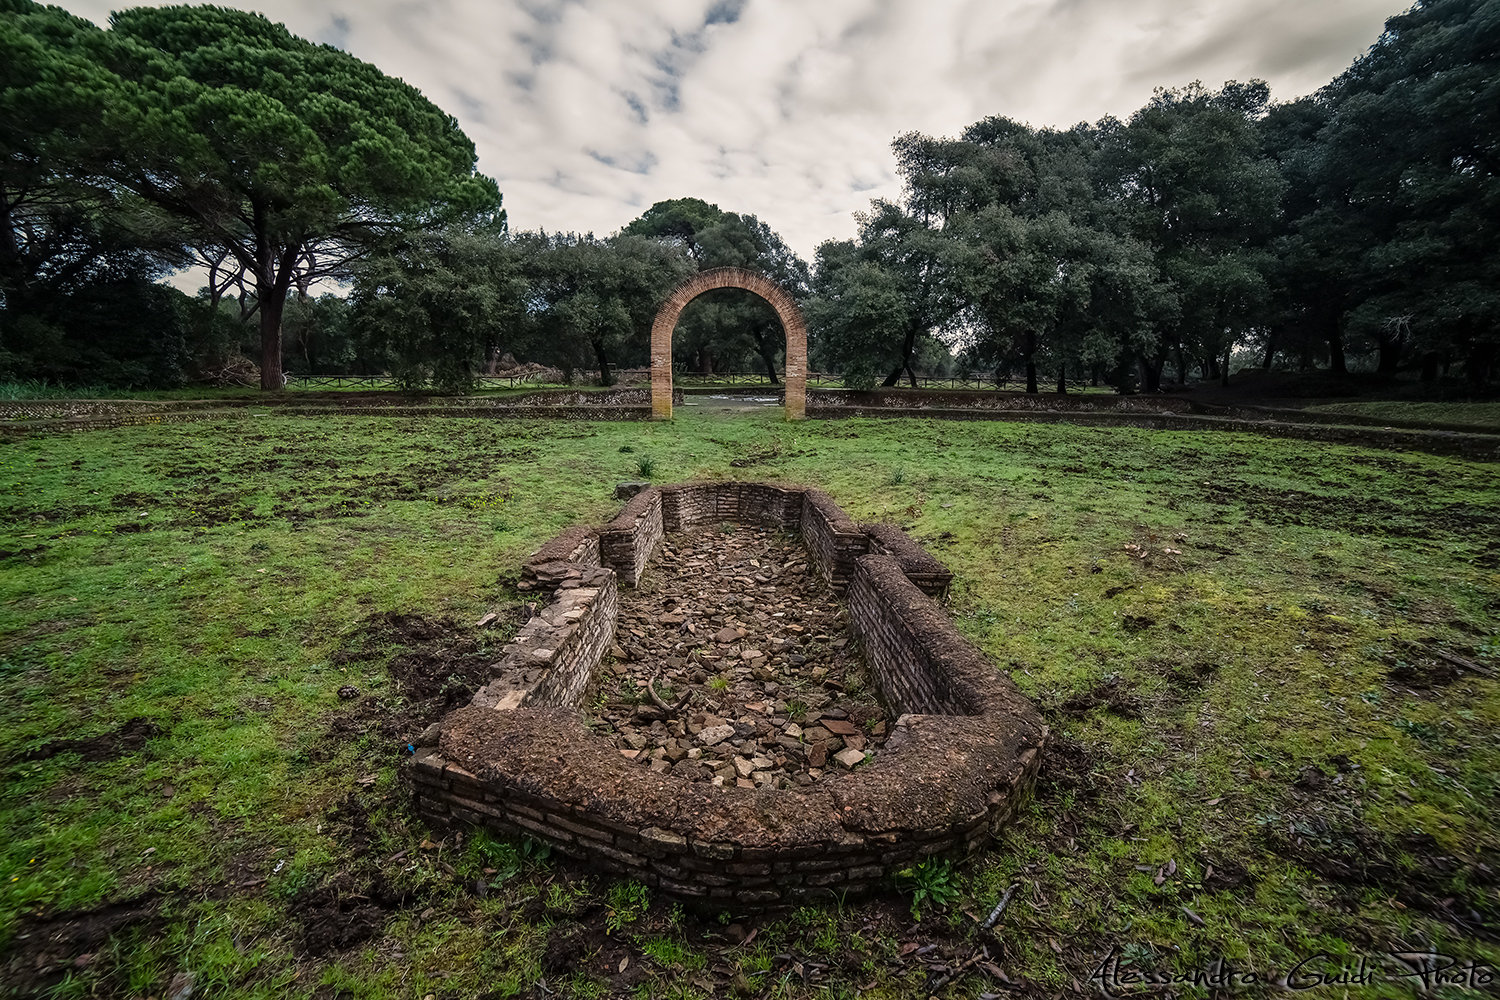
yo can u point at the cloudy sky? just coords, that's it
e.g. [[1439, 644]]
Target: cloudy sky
[[588, 111]]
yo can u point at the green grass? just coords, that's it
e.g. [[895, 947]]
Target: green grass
[[223, 580], [1479, 416]]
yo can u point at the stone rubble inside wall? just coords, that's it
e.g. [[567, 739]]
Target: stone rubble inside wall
[[736, 616]]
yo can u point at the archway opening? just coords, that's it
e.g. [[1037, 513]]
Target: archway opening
[[729, 331], [776, 297]]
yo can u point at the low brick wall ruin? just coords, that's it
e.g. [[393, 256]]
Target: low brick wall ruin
[[626, 543], [959, 760], [921, 568], [552, 659], [832, 539]]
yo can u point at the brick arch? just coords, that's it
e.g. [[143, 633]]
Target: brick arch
[[729, 277]]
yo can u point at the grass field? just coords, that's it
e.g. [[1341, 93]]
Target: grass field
[[1476, 416], [1271, 739]]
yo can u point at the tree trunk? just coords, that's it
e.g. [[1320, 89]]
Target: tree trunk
[[1265, 364], [604, 375], [905, 363], [1181, 364], [1213, 366], [1062, 379], [1336, 350], [1151, 373], [1429, 366], [1389, 348], [1030, 375], [705, 361], [770, 360], [270, 339], [911, 375], [1225, 377], [1095, 374], [10, 247], [272, 279], [1477, 366], [767, 352]]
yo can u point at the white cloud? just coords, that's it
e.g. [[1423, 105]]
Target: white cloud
[[588, 111]]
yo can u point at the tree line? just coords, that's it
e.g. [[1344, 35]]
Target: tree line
[[1359, 221]]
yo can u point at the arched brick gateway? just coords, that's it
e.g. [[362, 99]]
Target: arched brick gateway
[[729, 277]]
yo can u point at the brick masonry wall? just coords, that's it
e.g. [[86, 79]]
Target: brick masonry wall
[[747, 503], [627, 542], [583, 628], [553, 656], [832, 539], [920, 566], [902, 648], [957, 764], [568, 556]]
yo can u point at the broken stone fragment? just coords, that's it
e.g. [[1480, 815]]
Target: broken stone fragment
[[430, 735], [714, 735], [849, 757], [817, 756]]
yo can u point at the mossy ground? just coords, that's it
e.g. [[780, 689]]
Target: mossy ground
[[1264, 684], [1480, 416]]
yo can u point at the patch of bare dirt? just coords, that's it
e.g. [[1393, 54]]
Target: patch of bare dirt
[[45, 952], [131, 737], [437, 665], [1113, 694]]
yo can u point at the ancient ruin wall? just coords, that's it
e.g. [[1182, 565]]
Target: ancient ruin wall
[[626, 543], [930, 576], [553, 656], [832, 539], [943, 786], [568, 556], [908, 643], [747, 503]]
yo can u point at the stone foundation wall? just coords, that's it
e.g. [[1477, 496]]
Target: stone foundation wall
[[626, 543], [832, 539], [915, 655], [921, 568], [552, 658], [566, 557], [582, 620], [957, 764], [747, 503]]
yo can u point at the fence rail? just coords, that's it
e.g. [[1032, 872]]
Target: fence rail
[[815, 380], [387, 382]]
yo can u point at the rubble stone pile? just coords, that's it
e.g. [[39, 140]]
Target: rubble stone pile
[[732, 624]]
